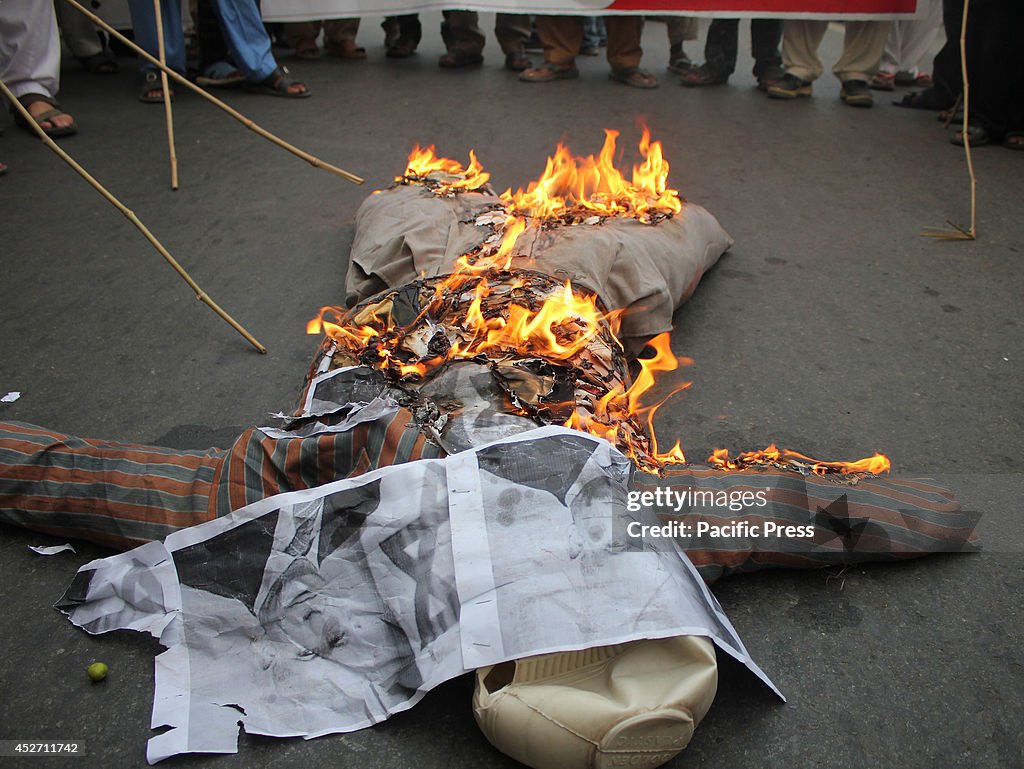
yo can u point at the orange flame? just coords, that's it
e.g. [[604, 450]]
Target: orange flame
[[424, 162], [620, 405], [594, 186], [874, 465], [573, 188]]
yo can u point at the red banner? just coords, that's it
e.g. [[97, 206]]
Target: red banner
[[777, 8]]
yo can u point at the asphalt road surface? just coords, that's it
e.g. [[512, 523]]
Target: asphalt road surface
[[831, 327]]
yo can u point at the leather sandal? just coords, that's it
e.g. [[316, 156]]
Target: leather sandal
[[346, 49], [545, 73], [634, 77], [152, 91], [977, 135], [277, 83], [54, 112]]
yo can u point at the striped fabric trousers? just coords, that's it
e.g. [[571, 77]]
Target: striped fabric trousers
[[124, 495]]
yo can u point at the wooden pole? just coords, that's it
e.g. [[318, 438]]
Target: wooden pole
[[958, 232], [167, 93], [200, 294], [311, 159]]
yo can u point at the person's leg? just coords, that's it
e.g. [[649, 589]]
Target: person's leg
[[863, 44], [721, 46], [463, 38], [946, 75], [512, 31], [302, 36], [79, 33], [765, 37], [561, 36], [892, 54], [246, 37], [144, 26], [401, 35], [625, 51], [995, 67], [801, 39], [30, 61], [946, 79], [340, 39], [680, 29], [216, 70], [29, 48], [917, 35]]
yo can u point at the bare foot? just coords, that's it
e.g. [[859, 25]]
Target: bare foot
[[54, 122]]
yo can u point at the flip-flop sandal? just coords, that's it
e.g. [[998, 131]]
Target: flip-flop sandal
[[53, 132], [701, 76], [925, 99], [1014, 140], [883, 81], [277, 83], [977, 135], [546, 73], [634, 77], [220, 74], [457, 58], [153, 84], [346, 50]]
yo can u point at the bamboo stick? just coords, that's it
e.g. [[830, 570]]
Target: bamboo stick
[[311, 159], [201, 295], [958, 232], [167, 93]]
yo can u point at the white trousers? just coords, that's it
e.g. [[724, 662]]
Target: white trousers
[[911, 39], [29, 47]]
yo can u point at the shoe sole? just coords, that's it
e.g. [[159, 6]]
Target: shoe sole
[[858, 101], [461, 64], [775, 92], [570, 74]]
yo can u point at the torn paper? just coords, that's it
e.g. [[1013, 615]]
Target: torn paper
[[51, 549], [329, 609]]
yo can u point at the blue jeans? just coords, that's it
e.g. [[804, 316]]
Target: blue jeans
[[240, 22]]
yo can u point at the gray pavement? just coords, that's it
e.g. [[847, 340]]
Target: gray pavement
[[830, 327]]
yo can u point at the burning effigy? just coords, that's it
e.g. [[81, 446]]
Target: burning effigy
[[471, 482]]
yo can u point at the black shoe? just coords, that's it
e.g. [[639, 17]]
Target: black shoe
[[517, 62], [789, 87], [769, 76], [460, 59], [857, 93]]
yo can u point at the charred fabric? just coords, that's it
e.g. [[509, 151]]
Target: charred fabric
[[554, 289]]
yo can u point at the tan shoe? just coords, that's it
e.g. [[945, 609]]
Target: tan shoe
[[633, 704]]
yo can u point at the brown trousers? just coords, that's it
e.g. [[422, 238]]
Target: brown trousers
[[562, 36]]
